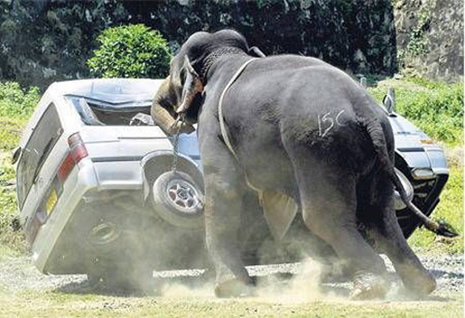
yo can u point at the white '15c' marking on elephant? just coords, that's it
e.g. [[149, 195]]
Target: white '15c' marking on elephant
[[327, 118]]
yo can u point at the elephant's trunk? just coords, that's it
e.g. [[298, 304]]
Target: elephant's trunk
[[162, 118], [163, 111]]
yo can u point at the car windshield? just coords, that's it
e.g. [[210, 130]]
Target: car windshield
[[43, 139], [97, 113]]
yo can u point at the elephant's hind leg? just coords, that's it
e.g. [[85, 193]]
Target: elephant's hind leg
[[390, 239], [328, 200]]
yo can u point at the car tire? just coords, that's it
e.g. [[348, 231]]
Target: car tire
[[178, 200]]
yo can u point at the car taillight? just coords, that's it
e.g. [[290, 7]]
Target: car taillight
[[65, 168], [77, 151], [77, 148]]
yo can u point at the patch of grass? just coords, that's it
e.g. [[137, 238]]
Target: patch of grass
[[10, 132], [16, 106], [50, 304], [16, 102], [435, 108], [9, 238]]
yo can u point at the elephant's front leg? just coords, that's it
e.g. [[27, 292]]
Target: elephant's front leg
[[224, 189]]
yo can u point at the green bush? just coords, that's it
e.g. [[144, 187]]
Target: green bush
[[436, 108], [130, 51]]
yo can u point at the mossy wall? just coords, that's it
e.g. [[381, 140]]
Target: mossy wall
[[47, 40], [430, 38]]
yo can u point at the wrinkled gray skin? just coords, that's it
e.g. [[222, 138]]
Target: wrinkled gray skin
[[301, 127]]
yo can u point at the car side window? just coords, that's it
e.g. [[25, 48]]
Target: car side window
[[44, 137]]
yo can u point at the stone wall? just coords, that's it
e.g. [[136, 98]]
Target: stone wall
[[430, 37], [42, 41]]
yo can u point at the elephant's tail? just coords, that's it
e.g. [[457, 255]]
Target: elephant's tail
[[375, 131]]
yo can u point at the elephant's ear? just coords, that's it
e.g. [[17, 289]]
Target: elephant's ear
[[192, 86]]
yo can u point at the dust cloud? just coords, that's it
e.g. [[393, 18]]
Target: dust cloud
[[275, 284], [179, 290], [304, 286]]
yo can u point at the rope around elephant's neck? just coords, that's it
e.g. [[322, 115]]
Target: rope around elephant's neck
[[220, 106], [224, 134]]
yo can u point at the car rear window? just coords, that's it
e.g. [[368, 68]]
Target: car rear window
[[98, 113], [44, 137]]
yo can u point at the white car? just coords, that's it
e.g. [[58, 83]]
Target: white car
[[87, 163]]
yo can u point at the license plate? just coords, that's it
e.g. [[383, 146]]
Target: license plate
[[52, 200]]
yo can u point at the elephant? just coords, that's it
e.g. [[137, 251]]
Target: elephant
[[307, 138]]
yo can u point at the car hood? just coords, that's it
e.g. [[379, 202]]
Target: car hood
[[406, 135]]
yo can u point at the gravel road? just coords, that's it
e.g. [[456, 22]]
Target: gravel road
[[18, 274]]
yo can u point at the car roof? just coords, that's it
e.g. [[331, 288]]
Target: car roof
[[110, 90]]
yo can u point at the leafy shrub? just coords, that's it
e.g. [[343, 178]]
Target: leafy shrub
[[16, 102], [130, 51], [436, 108]]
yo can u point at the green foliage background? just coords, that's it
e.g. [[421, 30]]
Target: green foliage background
[[47, 41], [131, 51]]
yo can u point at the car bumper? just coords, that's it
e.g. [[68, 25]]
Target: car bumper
[[427, 171]]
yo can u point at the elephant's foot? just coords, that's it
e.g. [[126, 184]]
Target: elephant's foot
[[369, 286], [229, 284], [420, 282]]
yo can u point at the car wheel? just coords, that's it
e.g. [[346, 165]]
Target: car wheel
[[178, 199]]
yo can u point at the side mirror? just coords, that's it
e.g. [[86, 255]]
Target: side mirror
[[389, 101], [363, 81]]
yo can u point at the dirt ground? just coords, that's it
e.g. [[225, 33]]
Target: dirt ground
[[288, 290]]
